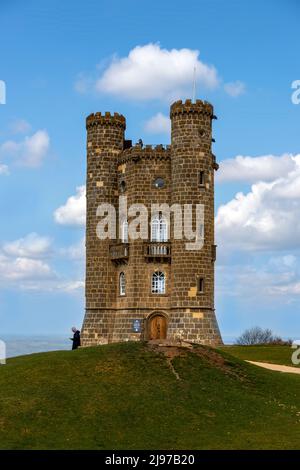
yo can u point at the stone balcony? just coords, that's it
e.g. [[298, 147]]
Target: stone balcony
[[119, 252], [157, 251]]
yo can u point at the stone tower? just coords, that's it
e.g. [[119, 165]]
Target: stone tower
[[151, 287]]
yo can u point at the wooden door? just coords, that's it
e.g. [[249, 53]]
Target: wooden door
[[158, 327]]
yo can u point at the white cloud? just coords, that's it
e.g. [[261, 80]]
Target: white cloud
[[4, 170], [266, 218], [288, 289], [52, 285], [22, 266], [158, 124], [235, 89], [151, 72], [70, 286], [73, 212], [23, 269], [20, 126], [31, 246], [75, 251], [56, 285], [251, 282], [253, 169], [283, 262], [29, 152], [21, 260]]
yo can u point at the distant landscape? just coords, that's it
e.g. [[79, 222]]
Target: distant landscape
[[19, 345]]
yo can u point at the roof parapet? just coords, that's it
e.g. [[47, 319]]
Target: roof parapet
[[107, 119], [136, 152], [188, 107]]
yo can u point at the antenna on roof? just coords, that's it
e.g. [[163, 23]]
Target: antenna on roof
[[194, 85]]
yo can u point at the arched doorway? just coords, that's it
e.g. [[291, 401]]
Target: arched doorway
[[157, 326]]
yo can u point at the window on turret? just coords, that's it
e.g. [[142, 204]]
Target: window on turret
[[201, 178], [158, 283], [122, 284], [200, 285]]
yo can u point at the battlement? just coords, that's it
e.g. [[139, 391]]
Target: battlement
[[107, 119], [160, 152], [188, 107]]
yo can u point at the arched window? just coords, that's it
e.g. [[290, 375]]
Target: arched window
[[158, 283], [159, 229], [122, 284], [125, 231]]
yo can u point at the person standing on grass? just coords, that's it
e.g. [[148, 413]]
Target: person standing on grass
[[76, 338]]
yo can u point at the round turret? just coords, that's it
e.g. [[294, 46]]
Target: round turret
[[107, 119]]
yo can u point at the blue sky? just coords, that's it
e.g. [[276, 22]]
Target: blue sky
[[62, 60]]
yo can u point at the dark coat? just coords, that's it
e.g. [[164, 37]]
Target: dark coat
[[76, 340]]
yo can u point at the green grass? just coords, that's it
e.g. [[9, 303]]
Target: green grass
[[273, 354], [125, 396]]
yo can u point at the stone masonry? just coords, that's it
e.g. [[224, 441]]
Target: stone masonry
[[116, 168]]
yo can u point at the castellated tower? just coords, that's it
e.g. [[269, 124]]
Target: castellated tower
[[154, 287], [105, 141]]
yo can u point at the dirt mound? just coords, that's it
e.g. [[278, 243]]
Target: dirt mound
[[209, 356]]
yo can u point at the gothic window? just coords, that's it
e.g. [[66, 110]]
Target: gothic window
[[158, 283], [125, 231], [122, 284], [159, 229]]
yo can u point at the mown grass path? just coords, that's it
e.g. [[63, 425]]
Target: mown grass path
[[271, 354]]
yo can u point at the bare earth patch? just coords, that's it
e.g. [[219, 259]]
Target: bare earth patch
[[172, 349]]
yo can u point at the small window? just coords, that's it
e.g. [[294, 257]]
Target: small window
[[200, 285], [122, 186], [122, 284], [201, 178], [159, 183], [158, 283]]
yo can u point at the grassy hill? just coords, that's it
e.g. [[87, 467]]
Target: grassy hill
[[128, 396]]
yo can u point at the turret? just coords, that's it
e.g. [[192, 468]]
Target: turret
[[192, 171], [105, 142]]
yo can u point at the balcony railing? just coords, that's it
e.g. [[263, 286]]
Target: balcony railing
[[119, 252], [158, 250]]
